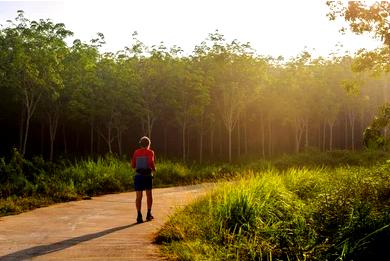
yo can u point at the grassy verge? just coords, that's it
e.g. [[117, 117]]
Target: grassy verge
[[297, 214], [27, 184]]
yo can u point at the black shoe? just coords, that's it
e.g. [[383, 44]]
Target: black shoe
[[149, 217], [139, 219]]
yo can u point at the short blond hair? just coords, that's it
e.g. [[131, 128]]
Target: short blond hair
[[144, 142]]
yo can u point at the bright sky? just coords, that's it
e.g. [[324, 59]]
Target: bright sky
[[274, 27]]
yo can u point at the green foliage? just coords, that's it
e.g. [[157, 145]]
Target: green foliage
[[29, 182], [170, 173], [366, 18], [373, 137], [23, 180], [106, 175], [223, 87], [298, 214], [330, 159], [13, 205]]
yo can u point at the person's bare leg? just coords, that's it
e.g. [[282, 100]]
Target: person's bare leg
[[149, 198], [138, 200]]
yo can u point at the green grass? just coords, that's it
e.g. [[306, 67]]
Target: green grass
[[31, 183], [307, 206], [315, 159], [298, 214], [27, 184]]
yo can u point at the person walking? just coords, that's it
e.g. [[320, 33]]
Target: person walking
[[143, 163]]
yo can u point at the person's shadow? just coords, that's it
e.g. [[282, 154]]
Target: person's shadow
[[46, 249]]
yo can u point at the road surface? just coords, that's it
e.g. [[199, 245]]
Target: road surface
[[103, 228]]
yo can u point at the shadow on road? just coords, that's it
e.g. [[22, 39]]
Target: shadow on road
[[46, 249]]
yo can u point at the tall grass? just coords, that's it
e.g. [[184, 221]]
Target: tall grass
[[330, 159], [296, 214], [26, 184]]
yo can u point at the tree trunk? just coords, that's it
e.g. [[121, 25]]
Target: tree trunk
[[262, 136], [143, 124], [319, 138], [245, 134], [183, 132], [361, 127], [201, 139], [51, 148], [297, 139], [307, 133], [324, 136], [230, 143], [21, 128], [298, 129], [346, 131], [188, 143], [201, 147], [331, 124], [221, 153], [352, 117], [30, 106], [119, 139], [42, 137], [53, 123], [238, 138], [64, 139], [26, 132], [92, 125], [77, 141], [269, 137], [149, 124], [165, 140], [98, 145], [353, 134], [212, 130], [109, 129]]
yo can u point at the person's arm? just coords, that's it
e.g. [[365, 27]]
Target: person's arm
[[133, 161], [152, 164]]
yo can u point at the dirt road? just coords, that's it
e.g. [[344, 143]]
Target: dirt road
[[101, 229]]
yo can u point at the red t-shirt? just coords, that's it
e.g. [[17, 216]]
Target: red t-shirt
[[144, 158]]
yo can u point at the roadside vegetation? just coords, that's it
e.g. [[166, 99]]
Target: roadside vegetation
[[300, 213], [30, 183]]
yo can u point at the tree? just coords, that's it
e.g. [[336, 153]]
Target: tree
[[81, 82], [235, 79], [34, 50], [298, 80], [373, 19], [125, 96], [189, 98], [153, 80]]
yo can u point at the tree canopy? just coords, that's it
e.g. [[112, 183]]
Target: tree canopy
[[221, 102]]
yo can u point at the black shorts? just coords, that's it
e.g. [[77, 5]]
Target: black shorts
[[143, 182]]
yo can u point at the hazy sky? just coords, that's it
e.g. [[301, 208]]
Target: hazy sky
[[277, 27]]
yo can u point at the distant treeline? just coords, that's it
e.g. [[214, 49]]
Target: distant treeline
[[223, 101]]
